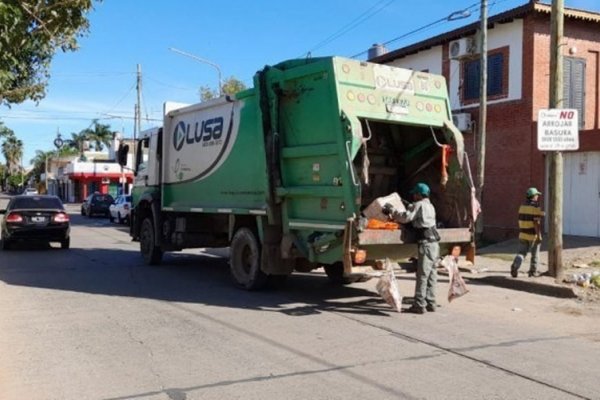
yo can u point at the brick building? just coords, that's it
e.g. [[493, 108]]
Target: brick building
[[518, 86]]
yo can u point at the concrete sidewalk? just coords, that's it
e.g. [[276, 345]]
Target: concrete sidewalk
[[492, 266]]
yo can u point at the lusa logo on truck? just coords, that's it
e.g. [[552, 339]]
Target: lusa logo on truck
[[201, 139], [208, 132]]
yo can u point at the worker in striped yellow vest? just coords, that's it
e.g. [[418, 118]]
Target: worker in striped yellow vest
[[530, 233]]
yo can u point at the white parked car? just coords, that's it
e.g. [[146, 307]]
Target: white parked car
[[30, 192], [119, 210]]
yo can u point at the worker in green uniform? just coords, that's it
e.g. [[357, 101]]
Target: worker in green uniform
[[530, 233], [421, 215]]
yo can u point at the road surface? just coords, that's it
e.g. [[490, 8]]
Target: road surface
[[93, 322]]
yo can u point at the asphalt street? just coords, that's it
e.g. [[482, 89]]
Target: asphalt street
[[93, 322]]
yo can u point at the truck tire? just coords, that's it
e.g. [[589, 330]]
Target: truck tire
[[245, 260], [150, 251], [335, 273]]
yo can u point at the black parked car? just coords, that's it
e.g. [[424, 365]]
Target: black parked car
[[97, 204], [30, 218]]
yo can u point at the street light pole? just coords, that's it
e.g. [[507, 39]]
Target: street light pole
[[203, 61]]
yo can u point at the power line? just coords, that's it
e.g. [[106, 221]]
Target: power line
[[372, 11], [121, 99], [92, 74], [169, 85], [465, 13]]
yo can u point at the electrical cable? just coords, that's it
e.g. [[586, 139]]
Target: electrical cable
[[369, 13], [448, 18]]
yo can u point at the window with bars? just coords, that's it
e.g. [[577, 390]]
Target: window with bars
[[574, 86], [495, 77]]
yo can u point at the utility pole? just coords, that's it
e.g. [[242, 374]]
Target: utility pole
[[482, 107], [555, 180], [138, 113]]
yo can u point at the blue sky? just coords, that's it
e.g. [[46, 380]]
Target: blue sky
[[241, 36]]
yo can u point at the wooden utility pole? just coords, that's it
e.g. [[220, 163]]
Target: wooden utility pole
[[555, 179], [138, 114], [482, 108], [138, 110]]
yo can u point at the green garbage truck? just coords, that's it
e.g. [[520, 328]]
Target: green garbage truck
[[281, 173]]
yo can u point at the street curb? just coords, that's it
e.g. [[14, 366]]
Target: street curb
[[529, 286]]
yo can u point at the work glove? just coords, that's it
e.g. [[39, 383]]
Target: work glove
[[388, 209]]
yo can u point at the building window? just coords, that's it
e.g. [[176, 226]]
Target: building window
[[497, 76], [574, 86]]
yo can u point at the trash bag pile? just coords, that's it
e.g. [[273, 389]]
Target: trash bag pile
[[584, 279]]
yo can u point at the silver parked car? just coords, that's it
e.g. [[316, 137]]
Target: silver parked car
[[120, 209]]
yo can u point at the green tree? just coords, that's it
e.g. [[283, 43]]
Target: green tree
[[99, 134], [12, 149], [31, 31], [38, 162], [77, 142], [230, 87]]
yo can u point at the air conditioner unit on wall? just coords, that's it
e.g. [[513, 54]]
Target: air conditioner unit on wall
[[463, 47], [463, 122]]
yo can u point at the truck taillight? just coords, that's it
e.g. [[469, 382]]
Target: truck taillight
[[14, 218], [61, 217], [360, 256]]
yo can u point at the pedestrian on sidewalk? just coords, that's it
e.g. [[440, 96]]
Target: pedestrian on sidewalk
[[530, 233], [421, 215]]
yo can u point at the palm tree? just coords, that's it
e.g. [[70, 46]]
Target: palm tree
[[12, 149], [77, 142], [39, 160], [99, 134]]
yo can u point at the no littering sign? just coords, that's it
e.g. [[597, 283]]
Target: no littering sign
[[558, 130]]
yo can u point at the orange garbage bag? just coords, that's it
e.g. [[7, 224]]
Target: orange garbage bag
[[377, 224]]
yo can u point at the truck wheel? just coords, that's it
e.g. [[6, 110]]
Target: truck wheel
[[245, 260], [335, 273], [150, 251]]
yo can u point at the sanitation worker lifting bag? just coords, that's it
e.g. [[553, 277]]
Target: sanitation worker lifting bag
[[421, 215]]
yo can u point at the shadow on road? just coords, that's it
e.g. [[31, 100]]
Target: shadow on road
[[186, 278]]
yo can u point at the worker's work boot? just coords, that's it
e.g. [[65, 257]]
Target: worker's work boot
[[534, 274], [514, 270], [431, 307], [415, 309]]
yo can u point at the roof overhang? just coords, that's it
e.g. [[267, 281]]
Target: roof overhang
[[471, 29]]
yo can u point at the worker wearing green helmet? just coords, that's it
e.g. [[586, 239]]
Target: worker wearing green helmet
[[530, 233], [421, 215]]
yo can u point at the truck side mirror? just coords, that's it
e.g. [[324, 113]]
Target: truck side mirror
[[122, 154]]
